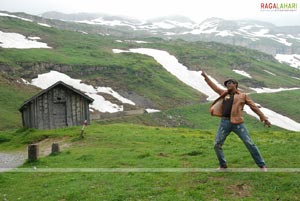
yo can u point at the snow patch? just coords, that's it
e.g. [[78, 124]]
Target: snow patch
[[25, 81], [225, 33], [148, 110], [15, 40], [45, 25], [270, 72], [292, 59], [109, 90], [14, 16], [297, 78], [241, 72], [268, 90]]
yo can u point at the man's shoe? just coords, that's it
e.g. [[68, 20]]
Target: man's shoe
[[264, 168], [223, 167]]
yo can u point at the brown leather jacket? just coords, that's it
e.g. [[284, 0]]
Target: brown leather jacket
[[240, 99]]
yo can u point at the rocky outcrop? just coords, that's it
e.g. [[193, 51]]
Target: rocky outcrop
[[31, 70]]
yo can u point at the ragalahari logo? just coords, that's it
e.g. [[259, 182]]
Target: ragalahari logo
[[284, 6]]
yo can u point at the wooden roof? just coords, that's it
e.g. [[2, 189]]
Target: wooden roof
[[51, 87]]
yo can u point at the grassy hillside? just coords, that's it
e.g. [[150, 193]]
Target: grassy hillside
[[137, 146], [12, 95]]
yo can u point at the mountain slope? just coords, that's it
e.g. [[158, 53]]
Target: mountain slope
[[137, 77], [252, 34], [257, 35]]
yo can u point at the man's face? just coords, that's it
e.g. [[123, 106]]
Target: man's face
[[230, 85]]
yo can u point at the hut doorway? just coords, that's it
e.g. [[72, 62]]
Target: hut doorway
[[60, 115]]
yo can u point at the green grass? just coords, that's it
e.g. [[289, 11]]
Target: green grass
[[138, 146], [12, 95]]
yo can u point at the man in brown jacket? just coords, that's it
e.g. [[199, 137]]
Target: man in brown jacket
[[229, 106]]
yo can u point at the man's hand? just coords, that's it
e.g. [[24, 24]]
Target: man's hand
[[267, 123], [204, 74]]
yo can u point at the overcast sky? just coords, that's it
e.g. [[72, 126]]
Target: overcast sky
[[197, 10]]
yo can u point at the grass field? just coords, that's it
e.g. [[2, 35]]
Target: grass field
[[136, 146]]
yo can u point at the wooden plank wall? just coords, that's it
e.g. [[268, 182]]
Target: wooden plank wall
[[39, 112]]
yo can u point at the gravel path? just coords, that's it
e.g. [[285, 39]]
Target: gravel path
[[10, 160]]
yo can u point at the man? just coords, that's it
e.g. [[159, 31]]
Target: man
[[229, 106]]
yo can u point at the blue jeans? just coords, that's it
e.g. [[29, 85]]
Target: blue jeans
[[224, 130]]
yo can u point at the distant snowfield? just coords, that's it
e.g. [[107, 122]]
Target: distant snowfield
[[21, 18], [195, 80], [14, 16], [292, 59], [253, 32], [45, 25], [132, 41], [47, 79], [268, 90], [15, 40]]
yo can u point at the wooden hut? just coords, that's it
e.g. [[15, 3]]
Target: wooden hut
[[58, 106]]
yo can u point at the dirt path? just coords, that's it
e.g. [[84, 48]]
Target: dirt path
[[10, 160]]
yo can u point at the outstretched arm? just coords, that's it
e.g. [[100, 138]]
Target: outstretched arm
[[211, 84], [255, 109]]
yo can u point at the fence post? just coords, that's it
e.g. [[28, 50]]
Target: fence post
[[55, 148], [82, 129], [33, 152]]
